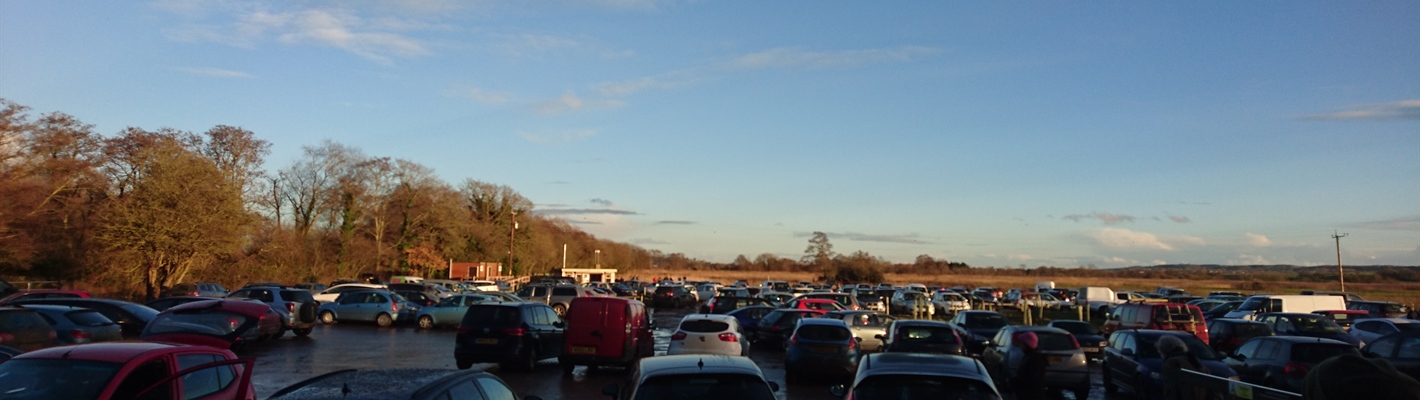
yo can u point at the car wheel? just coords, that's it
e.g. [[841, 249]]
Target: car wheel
[[384, 320], [1109, 386], [463, 364], [561, 310], [279, 333], [529, 361], [327, 317], [426, 322], [1082, 392], [790, 377], [567, 367], [302, 332]]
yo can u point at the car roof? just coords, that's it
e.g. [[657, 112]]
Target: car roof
[[1302, 339], [246, 306], [374, 384], [1392, 320], [1238, 321], [822, 321], [1031, 328], [920, 322], [46, 307], [921, 364], [709, 317], [697, 364], [114, 352]]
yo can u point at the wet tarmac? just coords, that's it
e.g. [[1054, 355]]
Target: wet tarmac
[[330, 348]]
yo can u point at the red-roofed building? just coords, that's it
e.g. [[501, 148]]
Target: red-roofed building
[[468, 271]]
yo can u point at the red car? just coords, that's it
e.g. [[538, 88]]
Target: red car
[[128, 370], [818, 306], [218, 323], [45, 294]]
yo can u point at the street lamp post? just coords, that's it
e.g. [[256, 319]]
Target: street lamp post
[[599, 259], [512, 229]]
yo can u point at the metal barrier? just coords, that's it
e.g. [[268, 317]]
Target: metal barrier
[[1224, 388]]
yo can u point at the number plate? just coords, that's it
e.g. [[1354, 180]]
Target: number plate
[[486, 341], [1057, 359], [824, 349], [584, 350]]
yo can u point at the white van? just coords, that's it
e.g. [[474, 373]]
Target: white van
[[1043, 286], [1286, 303], [1097, 298]]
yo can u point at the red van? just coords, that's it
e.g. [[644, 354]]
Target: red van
[[606, 331]]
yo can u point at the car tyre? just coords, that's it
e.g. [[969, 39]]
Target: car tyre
[[463, 364], [327, 317], [561, 310], [567, 367], [384, 320], [1082, 392], [302, 332], [529, 362], [1109, 386], [279, 333], [426, 322]]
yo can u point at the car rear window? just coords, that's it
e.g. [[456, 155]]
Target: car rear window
[[926, 334], [55, 379], [916, 386], [303, 296], [564, 291], [214, 323], [704, 387], [1078, 328], [1056, 341], [493, 315], [703, 326], [1310, 353], [1195, 346], [1250, 330], [87, 318], [983, 320], [20, 319], [827, 333]]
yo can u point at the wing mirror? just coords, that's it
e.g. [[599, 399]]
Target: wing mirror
[[879, 337]]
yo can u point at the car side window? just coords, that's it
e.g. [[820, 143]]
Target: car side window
[[205, 381], [141, 378], [465, 390], [1268, 350], [1249, 349], [1386, 329], [540, 291], [533, 316], [550, 316], [1366, 326], [495, 390], [1409, 349], [1383, 347], [1129, 344]]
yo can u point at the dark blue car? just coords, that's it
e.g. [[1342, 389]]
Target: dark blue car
[[820, 347], [1132, 363], [750, 316]]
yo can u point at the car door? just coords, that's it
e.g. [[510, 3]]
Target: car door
[[1127, 367], [556, 333], [1239, 361]]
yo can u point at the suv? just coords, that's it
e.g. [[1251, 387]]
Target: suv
[[517, 335], [1159, 316], [24, 329], [559, 297], [1380, 309], [296, 306], [672, 296]]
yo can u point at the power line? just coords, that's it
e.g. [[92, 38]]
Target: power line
[[1339, 269]]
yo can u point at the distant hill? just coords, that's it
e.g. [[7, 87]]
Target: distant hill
[[1245, 269]]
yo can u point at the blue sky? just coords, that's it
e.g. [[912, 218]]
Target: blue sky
[[994, 133]]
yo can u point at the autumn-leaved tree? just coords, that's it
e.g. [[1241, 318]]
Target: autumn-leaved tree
[[177, 212]]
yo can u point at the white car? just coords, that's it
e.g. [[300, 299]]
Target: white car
[[950, 302], [330, 294], [484, 286], [1370, 329], [709, 334]]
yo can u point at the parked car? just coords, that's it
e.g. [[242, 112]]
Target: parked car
[[709, 334], [1226, 334], [1282, 362], [335, 290], [921, 336], [401, 383], [844, 299], [434, 292], [1040, 300], [449, 311], [820, 347], [1090, 340], [749, 317], [502, 296], [198, 289], [1343, 317], [1401, 349], [77, 325], [1066, 368], [910, 302], [948, 302], [122, 370], [1380, 309], [516, 335], [1158, 316], [7, 289], [821, 306], [867, 326], [131, 317], [672, 296], [226, 324], [1131, 361], [313, 287], [1368, 330], [896, 376], [778, 298], [606, 331], [1306, 324], [1266, 303], [25, 330], [379, 306], [44, 294], [776, 326], [694, 377], [978, 328], [164, 303], [559, 297], [725, 304], [298, 308], [1221, 310]]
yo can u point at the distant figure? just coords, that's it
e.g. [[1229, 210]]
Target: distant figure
[[1029, 381], [1355, 377], [1176, 359]]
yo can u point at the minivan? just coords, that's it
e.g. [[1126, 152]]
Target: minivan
[[559, 297], [606, 331], [1159, 316], [1286, 303]]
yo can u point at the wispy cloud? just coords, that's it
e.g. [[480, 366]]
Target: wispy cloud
[[1121, 238], [1020, 257], [601, 202], [1396, 224], [675, 222], [376, 39], [1257, 240], [1106, 218], [557, 138], [525, 44], [646, 241], [585, 211], [785, 57], [1180, 219], [1404, 109], [571, 102], [216, 72], [582, 222]]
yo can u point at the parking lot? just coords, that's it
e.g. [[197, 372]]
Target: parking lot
[[364, 346]]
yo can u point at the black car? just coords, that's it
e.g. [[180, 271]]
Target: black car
[[1380, 309], [516, 335], [1226, 334], [671, 296], [1282, 362], [921, 336], [1090, 340], [977, 328], [413, 384], [776, 326], [1221, 310], [1309, 325], [131, 317], [725, 304], [1401, 349]]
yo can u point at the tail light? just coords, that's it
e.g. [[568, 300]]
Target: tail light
[[1074, 341], [80, 334], [1295, 369], [394, 307], [6, 338], [852, 343], [794, 339], [729, 337], [194, 293], [678, 336], [291, 307], [515, 331]]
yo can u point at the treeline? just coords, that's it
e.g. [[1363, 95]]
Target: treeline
[[143, 210]]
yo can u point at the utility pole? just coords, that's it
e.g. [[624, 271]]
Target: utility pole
[[1338, 258], [512, 229]]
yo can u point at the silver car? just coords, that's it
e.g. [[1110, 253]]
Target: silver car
[[1067, 369], [867, 326]]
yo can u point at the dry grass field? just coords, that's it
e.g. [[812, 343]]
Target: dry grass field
[[1406, 293]]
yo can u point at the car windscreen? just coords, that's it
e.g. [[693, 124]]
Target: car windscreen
[[824, 333], [1195, 347], [1054, 341], [1311, 353], [983, 320], [913, 386], [206, 322], [493, 315], [303, 296], [704, 387], [1077, 328], [926, 334], [703, 326], [1317, 325], [54, 379], [1253, 303], [87, 318]]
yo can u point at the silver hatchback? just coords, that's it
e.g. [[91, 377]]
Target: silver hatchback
[[1067, 370]]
